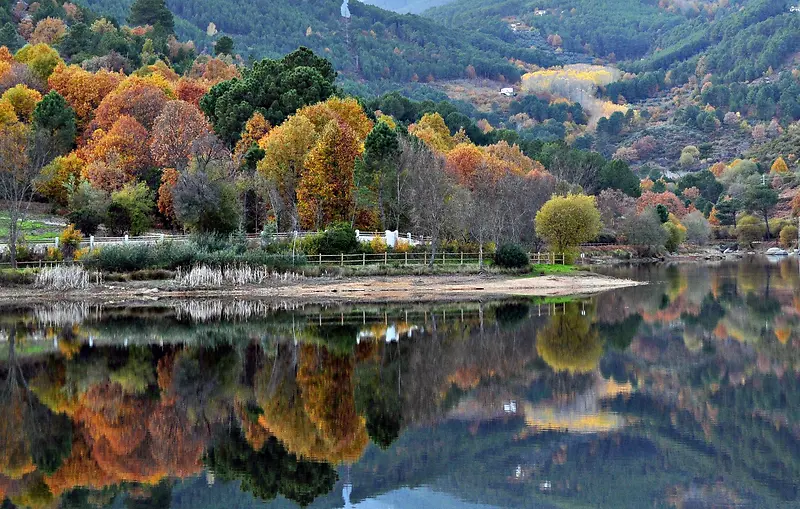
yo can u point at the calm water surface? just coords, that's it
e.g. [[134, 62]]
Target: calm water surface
[[683, 393]]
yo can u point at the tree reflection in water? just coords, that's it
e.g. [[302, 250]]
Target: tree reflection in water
[[687, 388]]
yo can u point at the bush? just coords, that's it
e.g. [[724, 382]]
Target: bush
[[338, 238], [130, 210], [511, 256], [676, 235], [788, 236], [378, 245], [750, 229], [69, 241]]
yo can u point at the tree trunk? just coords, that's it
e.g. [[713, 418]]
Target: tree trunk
[[766, 222], [12, 239], [434, 241]]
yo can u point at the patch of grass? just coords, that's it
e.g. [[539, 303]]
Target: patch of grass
[[34, 229]]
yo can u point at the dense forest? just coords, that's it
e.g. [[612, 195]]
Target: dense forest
[[374, 44]]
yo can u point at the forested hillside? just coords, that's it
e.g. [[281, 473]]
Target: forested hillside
[[375, 44], [407, 6]]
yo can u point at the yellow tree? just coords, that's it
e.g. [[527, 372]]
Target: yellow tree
[[325, 192], [23, 99], [779, 167], [285, 150], [83, 90], [178, 126], [434, 132], [51, 183], [565, 222], [41, 59]]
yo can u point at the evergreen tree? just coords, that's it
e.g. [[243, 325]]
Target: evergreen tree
[[56, 117], [152, 12]]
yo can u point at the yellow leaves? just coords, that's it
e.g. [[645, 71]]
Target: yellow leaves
[[23, 100], [41, 59], [54, 176], [7, 114], [343, 110], [155, 79], [434, 132], [569, 343], [565, 222], [779, 167], [255, 129], [48, 31], [82, 89]]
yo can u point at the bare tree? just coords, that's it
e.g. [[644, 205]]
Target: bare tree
[[23, 154], [435, 201]]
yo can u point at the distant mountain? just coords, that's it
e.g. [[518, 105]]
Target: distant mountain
[[374, 44]]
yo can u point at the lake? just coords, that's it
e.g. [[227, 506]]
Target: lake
[[683, 393]]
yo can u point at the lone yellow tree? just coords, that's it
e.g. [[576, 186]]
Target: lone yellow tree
[[564, 222]]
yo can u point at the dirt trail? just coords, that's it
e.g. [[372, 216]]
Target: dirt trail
[[349, 290]]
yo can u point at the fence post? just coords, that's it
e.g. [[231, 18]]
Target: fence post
[[363, 259], [56, 240], [91, 241], [444, 261], [126, 238], [406, 253], [386, 258], [342, 259], [425, 258], [462, 257], [320, 259]]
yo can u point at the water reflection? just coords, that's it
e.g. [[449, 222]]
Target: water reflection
[[683, 393]]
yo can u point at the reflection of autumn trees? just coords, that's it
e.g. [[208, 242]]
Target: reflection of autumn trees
[[313, 411], [569, 342]]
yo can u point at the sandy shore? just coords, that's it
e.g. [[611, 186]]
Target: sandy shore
[[354, 290]]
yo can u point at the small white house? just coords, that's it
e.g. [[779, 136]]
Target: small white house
[[508, 92]]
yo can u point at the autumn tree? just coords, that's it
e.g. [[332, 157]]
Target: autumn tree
[[285, 150], [140, 98], [174, 132], [116, 157], [23, 154], [48, 31], [83, 90], [666, 198], [166, 202], [565, 222], [779, 167], [432, 129], [40, 58], [23, 100], [325, 190], [53, 181], [433, 199]]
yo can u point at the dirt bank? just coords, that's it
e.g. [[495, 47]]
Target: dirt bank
[[352, 290]]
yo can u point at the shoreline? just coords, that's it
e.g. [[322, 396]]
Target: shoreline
[[350, 290]]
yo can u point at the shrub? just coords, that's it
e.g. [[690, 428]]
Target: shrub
[[750, 229], [338, 238], [511, 256], [130, 210], [676, 235], [698, 230], [402, 246], [788, 236], [53, 254], [69, 240], [378, 245]]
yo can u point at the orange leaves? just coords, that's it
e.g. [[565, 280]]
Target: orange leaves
[[255, 129], [325, 193], [140, 98], [114, 158], [54, 177], [48, 31], [83, 90], [174, 131], [667, 198], [169, 178], [191, 90], [464, 161]]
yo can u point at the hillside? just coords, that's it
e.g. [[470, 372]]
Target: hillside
[[407, 6], [375, 44]]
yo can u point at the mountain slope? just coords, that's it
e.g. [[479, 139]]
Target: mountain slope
[[375, 44], [407, 6]]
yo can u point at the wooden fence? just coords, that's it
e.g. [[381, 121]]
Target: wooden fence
[[364, 259]]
